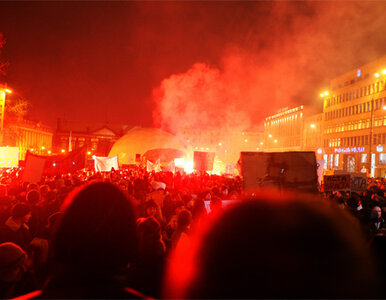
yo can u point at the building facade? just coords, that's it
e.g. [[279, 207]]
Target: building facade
[[284, 130], [28, 136], [98, 138], [313, 134], [354, 117]]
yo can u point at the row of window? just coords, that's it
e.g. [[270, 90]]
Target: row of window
[[355, 109], [359, 92], [355, 125], [332, 161], [353, 141]]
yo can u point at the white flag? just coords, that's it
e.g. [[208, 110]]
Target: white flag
[[149, 166], [104, 164]]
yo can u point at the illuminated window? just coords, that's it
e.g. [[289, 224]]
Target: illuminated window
[[336, 161]]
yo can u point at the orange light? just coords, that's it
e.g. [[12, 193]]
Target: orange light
[[261, 143], [8, 91], [32, 149], [312, 125], [43, 148], [325, 94], [270, 135], [246, 140], [275, 141], [89, 152], [384, 72], [322, 95], [63, 150], [49, 151], [376, 75]]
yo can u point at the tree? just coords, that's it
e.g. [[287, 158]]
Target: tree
[[17, 107], [3, 64]]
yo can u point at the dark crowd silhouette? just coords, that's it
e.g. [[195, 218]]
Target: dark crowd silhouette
[[131, 234]]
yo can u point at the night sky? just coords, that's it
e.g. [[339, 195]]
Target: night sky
[[172, 64]]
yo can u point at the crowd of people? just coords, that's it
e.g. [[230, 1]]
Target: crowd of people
[[134, 234]]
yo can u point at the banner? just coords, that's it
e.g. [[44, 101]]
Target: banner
[[105, 164], [336, 182], [53, 165], [203, 161], [358, 182], [153, 166], [229, 169], [170, 167], [349, 182], [65, 163], [33, 169], [279, 170]]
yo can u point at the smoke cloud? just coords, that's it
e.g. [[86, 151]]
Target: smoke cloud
[[283, 58]]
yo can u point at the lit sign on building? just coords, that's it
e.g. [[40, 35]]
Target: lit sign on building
[[349, 150], [379, 148], [359, 73]]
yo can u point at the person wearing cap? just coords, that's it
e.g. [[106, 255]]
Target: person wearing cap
[[15, 229]]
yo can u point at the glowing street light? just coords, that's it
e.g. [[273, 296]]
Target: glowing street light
[[270, 136], [246, 140], [323, 94], [384, 107], [312, 125], [261, 143], [384, 71], [376, 75], [63, 150], [275, 141]]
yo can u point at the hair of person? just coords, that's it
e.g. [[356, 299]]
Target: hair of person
[[274, 246], [20, 210], [97, 229]]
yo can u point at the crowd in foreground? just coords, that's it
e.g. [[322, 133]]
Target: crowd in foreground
[[134, 234]]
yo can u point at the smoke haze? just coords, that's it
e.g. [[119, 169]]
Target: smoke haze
[[286, 56]]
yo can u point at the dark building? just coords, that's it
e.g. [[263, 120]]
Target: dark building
[[98, 138]]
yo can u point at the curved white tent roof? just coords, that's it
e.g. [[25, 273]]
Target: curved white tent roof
[[141, 140]]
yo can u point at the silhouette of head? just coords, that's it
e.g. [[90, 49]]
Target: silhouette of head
[[274, 247], [97, 229]]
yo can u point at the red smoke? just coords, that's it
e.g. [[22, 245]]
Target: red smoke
[[286, 57]]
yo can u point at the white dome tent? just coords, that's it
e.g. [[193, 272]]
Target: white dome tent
[[142, 140]]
